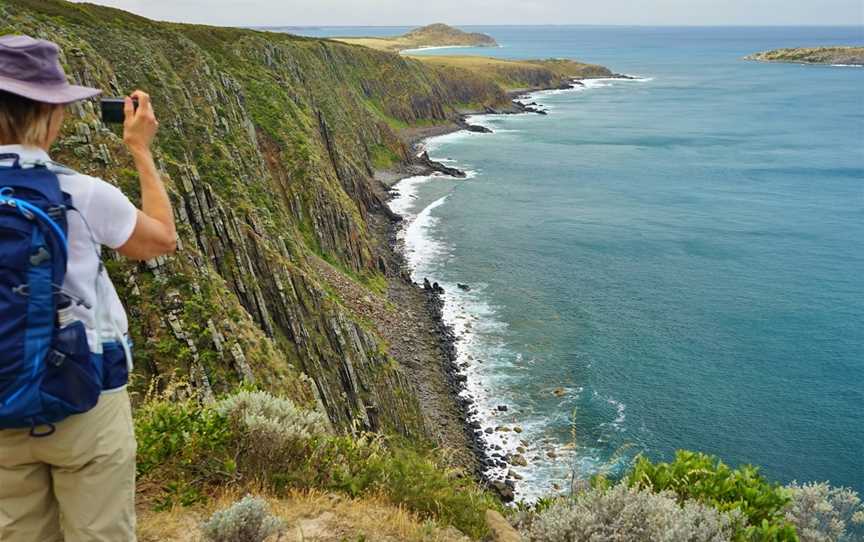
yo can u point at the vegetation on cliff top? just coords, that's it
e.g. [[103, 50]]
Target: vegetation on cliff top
[[513, 75], [695, 498], [253, 441], [433, 35], [851, 56]]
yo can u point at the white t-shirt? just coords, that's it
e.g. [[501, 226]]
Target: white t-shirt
[[111, 217]]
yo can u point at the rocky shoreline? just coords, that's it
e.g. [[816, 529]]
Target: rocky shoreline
[[419, 162], [485, 456], [488, 457]]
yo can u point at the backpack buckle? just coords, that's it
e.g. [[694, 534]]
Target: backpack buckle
[[16, 159], [57, 212], [39, 256], [55, 358], [22, 289]]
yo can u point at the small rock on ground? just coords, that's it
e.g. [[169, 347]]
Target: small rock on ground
[[500, 528]]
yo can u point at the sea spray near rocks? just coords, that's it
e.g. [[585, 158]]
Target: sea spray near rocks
[[695, 240], [518, 463]]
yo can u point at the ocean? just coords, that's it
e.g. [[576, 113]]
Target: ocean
[[671, 262]]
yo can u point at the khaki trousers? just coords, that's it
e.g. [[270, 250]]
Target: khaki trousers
[[77, 485]]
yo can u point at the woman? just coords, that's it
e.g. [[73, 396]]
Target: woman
[[77, 482]]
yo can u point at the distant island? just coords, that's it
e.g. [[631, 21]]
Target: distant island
[[847, 56], [510, 75], [433, 35]]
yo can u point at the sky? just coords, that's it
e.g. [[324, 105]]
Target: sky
[[492, 12]]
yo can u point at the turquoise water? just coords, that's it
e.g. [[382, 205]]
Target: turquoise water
[[677, 260]]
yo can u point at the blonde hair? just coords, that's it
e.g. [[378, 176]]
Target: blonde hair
[[24, 121]]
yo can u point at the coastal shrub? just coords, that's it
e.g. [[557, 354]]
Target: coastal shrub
[[822, 513], [420, 483], [399, 471], [265, 414], [262, 440], [179, 434], [628, 514], [247, 520], [181, 448], [706, 479], [270, 430]]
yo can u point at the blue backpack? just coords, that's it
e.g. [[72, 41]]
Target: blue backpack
[[47, 371]]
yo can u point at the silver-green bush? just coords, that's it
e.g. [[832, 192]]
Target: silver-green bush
[[275, 429], [262, 413], [623, 514], [822, 513], [247, 520]]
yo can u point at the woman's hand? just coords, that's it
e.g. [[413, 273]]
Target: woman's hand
[[155, 233], [139, 126]]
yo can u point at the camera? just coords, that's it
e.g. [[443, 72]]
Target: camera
[[112, 110]]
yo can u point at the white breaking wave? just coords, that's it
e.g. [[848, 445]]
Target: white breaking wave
[[620, 413], [589, 84], [406, 194], [475, 323], [481, 350], [433, 48], [420, 247]]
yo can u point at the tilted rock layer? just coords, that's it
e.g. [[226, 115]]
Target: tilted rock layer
[[267, 143]]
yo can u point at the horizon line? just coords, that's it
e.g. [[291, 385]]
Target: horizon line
[[516, 25]]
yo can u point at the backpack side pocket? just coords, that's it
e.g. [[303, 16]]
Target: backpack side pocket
[[73, 375]]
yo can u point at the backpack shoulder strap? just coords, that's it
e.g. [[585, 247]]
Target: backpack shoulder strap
[[35, 193], [38, 179], [16, 160], [60, 169]]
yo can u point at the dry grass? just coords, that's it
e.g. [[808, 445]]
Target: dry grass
[[310, 516], [382, 44], [422, 37]]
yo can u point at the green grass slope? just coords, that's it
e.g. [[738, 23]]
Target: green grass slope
[[511, 75]]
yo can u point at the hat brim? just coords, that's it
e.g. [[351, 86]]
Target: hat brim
[[50, 94]]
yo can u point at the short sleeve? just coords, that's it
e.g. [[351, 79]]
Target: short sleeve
[[110, 214]]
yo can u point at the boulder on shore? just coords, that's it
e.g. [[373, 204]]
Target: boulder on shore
[[504, 490], [439, 167]]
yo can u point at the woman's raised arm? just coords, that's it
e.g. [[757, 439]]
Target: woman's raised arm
[[155, 233]]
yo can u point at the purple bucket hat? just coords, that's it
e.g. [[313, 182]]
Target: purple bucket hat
[[31, 68]]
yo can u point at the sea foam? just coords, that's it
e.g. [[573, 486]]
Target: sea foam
[[481, 350]]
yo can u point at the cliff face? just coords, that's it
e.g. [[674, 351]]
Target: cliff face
[[267, 144], [463, 74]]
